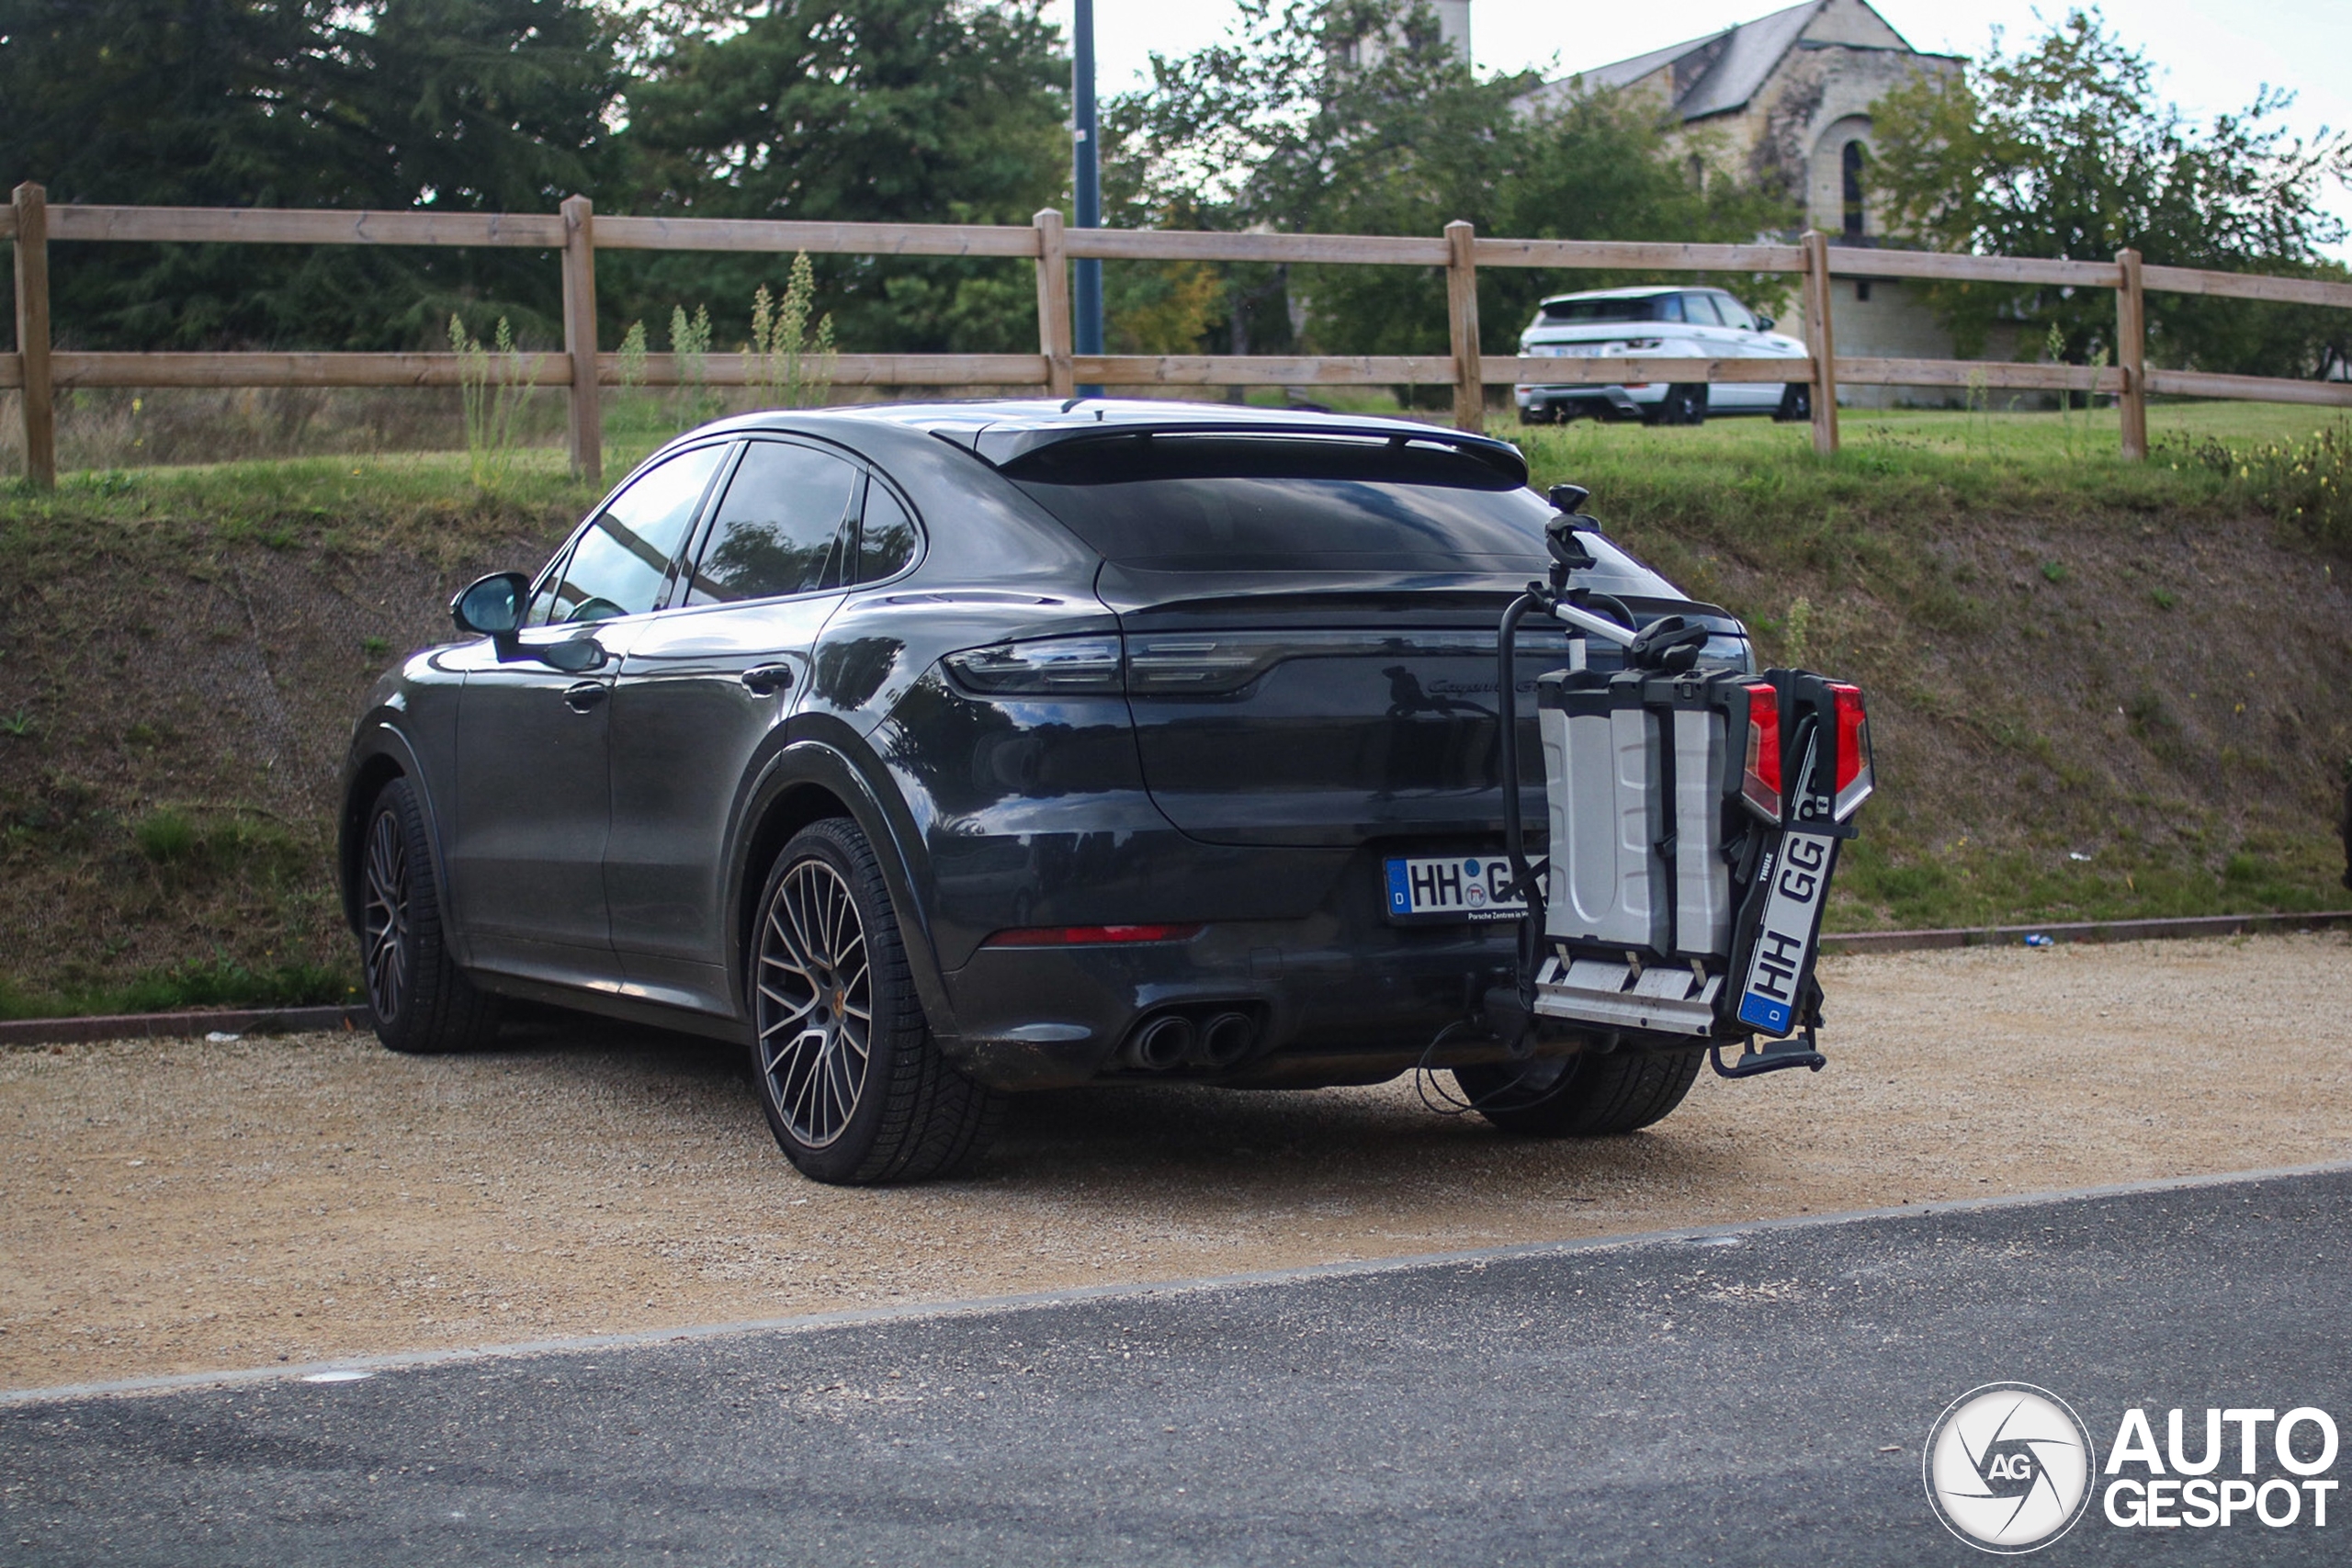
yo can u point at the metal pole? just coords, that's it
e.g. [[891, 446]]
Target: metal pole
[[1087, 185]]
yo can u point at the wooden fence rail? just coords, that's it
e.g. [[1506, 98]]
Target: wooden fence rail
[[577, 234]]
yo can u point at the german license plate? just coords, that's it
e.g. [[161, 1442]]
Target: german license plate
[[1784, 940], [1451, 888]]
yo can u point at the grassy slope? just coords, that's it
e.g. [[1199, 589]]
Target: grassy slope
[[2057, 647]]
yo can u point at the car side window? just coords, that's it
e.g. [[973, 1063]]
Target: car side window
[[1700, 310], [783, 528], [1667, 308], [885, 538], [618, 565], [1734, 313]]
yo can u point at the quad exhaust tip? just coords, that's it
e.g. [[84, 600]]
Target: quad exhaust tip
[[1162, 1043], [1225, 1039], [1216, 1041]]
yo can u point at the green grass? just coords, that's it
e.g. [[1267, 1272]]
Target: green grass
[[219, 983]]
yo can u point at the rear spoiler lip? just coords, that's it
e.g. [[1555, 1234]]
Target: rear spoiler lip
[[1001, 444]]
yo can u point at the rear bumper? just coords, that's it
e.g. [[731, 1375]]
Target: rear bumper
[[1339, 996], [1540, 398]]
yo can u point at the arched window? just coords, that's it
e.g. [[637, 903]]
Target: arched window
[[1853, 159]]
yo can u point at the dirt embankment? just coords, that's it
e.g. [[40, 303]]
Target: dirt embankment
[[180, 1205], [187, 683], [2084, 713]]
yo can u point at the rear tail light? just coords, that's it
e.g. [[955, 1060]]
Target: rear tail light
[[1045, 667], [1089, 936], [1854, 772], [1759, 780]]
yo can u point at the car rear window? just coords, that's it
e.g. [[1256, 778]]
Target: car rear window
[[1641, 307], [1170, 503]]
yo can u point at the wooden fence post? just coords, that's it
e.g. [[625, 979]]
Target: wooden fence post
[[579, 337], [1823, 343], [1462, 314], [32, 204], [2131, 355], [1053, 305]]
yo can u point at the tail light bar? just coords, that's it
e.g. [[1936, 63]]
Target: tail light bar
[[1759, 780], [1044, 667], [1090, 936], [1855, 775]]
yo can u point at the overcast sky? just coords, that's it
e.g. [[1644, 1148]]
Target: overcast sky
[[2213, 54]]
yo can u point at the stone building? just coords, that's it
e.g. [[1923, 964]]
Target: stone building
[[1784, 101]]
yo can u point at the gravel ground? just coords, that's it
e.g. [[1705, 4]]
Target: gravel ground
[[183, 1205]]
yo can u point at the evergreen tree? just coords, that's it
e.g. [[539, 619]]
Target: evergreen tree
[[469, 105]]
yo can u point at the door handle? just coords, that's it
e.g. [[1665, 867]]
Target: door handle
[[585, 695], [765, 679]]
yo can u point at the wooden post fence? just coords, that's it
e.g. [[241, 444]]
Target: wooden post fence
[[1820, 341], [2131, 355], [577, 232], [1462, 322], [1054, 326], [30, 204], [580, 338]]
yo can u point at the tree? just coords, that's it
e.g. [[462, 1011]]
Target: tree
[[470, 104], [2064, 149], [1356, 117], [865, 110]]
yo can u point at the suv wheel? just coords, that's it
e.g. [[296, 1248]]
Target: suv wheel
[[1586, 1097], [1796, 403], [1684, 403], [422, 1002], [854, 1085]]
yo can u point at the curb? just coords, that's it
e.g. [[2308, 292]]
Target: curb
[[2086, 930], [167, 1025]]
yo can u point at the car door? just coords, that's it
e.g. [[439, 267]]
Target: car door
[[1746, 339], [702, 691], [533, 783], [1706, 333]]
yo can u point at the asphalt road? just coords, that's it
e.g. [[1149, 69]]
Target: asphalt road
[[1758, 1396]]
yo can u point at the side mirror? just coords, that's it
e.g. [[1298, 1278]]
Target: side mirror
[[1763, 323], [491, 606]]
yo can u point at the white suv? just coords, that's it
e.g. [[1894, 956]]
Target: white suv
[[1657, 322]]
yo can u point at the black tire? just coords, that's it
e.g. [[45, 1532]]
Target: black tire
[[1592, 1097], [1796, 403], [825, 967], [423, 1003], [1684, 403]]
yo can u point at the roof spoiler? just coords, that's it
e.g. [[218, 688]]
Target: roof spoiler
[[1001, 444]]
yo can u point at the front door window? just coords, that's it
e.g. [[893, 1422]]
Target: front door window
[[621, 561]]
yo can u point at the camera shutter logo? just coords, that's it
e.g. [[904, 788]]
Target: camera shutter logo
[[2009, 1467]]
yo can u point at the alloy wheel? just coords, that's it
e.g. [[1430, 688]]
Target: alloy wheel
[[384, 915], [815, 1002]]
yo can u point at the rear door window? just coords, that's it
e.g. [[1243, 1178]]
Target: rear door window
[[781, 528]]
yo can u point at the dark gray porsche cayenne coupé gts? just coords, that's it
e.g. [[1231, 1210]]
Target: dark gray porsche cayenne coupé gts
[[935, 752]]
